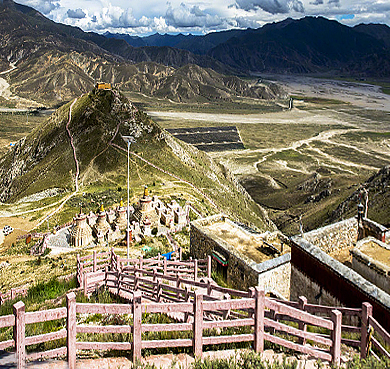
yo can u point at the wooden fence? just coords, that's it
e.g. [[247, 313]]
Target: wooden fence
[[253, 315], [97, 262], [92, 263], [371, 327], [255, 312], [352, 317], [12, 294]]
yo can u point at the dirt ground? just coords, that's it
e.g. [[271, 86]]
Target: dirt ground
[[170, 361], [360, 94], [21, 226]]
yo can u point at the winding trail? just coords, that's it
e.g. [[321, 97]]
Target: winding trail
[[73, 147], [63, 202]]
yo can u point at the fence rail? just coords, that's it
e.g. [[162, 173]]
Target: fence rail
[[12, 294], [99, 261], [159, 286], [257, 308], [385, 336]]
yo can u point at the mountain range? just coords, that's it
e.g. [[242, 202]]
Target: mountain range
[[307, 45], [56, 62]]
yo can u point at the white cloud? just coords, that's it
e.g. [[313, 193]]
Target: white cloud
[[76, 14], [272, 6], [44, 6], [184, 16], [201, 16], [334, 2]]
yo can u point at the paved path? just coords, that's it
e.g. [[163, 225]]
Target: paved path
[[7, 359]]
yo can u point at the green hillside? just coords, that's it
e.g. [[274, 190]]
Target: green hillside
[[45, 160]]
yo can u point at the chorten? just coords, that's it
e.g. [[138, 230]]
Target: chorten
[[81, 232], [145, 209], [146, 227], [121, 219], [102, 226]]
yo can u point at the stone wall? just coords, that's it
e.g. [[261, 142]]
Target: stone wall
[[302, 285], [336, 279], [241, 271], [277, 279], [370, 268], [373, 229], [334, 237]]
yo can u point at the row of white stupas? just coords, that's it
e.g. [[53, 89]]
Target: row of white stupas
[[110, 225]]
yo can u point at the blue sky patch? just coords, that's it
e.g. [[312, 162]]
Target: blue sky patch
[[345, 16]]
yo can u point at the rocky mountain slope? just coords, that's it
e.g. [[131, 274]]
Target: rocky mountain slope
[[297, 46], [378, 196], [55, 63], [24, 31], [310, 44], [52, 76], [45, 159]]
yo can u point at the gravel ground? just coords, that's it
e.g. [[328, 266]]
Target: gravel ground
[[168, 361]]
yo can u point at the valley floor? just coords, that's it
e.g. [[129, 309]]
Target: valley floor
[[304, 161]]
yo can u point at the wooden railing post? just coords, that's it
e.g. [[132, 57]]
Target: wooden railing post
[[336, 318], [180, 253], [366, 313], [208, 266], [209, 287], [251, 295], [118, 262], [71, 329], [112, 259], [94, 261], [141, 262], [13, 293], [195, 269], [259, 319], [118, 282], [198, 324], [136, 281], [165, 266], [137, 328], [85, 284], [78, 271], [155, 275], [302, 326], [20, 334], [158, 295], [226, 313], [186, 299]]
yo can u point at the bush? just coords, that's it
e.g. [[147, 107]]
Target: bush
[[245, 360], [369, 363]]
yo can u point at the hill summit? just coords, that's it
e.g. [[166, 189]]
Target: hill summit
[[82, 140]]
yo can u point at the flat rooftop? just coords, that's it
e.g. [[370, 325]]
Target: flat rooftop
[[376, 251], [256, 246]]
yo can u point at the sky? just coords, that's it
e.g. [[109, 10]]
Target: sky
[[145, 17]]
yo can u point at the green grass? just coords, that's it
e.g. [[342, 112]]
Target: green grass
[[244, 360], [39, 294]]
